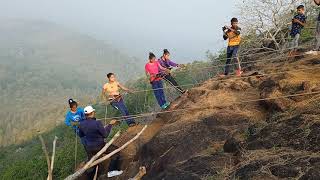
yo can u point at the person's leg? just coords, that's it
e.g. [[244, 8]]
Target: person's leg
[[229, 56], [236, 60], [155, 87], [124, 111], [161, 93], [318, 36], [296, 41], [173, 83], [115, 160], [90, 153]]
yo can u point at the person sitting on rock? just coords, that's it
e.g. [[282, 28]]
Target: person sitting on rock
[[93, 134], [112, 89]]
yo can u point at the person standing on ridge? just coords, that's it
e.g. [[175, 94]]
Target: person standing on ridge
[[74, 116], [165, 67], [232, 33], [112, 89], [154, 76], [93, 134], [298, 23]]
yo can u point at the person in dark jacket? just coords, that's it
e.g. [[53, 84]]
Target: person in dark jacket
[[94, 134], [165, 67]]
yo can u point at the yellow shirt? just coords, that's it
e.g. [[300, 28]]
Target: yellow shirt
[[234, 39], [112, 89]]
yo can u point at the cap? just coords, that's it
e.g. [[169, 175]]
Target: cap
[[89, 109]]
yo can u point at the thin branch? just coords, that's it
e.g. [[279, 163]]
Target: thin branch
[[96, 174], [53, 153], [141, 173], [119, 149], [87, 165], [44, 148]]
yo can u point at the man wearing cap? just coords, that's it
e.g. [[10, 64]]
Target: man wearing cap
[[93, 134]]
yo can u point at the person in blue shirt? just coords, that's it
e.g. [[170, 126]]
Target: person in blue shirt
[[74, 116], [298, 23]]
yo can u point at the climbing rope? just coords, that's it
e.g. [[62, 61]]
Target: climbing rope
[[75, 152], [210, 67], [222, 80], [211, 107]]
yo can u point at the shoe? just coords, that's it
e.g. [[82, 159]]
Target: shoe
[[222, 75], [114, 173], [163, 106], [167, 105]]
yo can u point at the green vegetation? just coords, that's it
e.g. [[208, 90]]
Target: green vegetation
[[27, 161], [40, 71]]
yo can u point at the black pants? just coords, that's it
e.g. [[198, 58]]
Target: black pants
[[115, 163], [173, 83]]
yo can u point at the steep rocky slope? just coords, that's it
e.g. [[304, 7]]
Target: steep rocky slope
[[265, 125]]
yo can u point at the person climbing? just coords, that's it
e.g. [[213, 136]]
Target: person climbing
[[165, 67], [298, 23], [74, 116], [94, 134], [232, 33], [154, 77], [112, 89]]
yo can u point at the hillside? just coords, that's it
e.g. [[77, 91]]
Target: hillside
[[42, 65], [262, 126]]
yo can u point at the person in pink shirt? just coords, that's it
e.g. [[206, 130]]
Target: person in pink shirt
[[152, 72]]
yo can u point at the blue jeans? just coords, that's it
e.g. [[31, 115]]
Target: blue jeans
[[232, 51], [123, 109], [157, 87]]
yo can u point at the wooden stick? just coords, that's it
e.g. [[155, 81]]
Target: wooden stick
[[118, 150], [87, 165], [44, 148], [96, 174], [53, 153], [141, 173]]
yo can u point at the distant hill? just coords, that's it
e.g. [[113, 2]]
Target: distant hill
[[42, 65]]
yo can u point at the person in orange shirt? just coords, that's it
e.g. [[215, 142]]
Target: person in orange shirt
[[233, 34]]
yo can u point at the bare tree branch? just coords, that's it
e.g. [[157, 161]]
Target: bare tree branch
[[119, 149], [53, 153], [94, 162], [141, 173], [87, 165], [44, 148]]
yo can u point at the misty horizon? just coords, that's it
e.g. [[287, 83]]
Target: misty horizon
[[187, 29]]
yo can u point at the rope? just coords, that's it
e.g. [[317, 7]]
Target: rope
[[211, 107], [252, 54], [105, 114], [186, 85], [75, 152]]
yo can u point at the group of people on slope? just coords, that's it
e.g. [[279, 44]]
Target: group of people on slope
[[92, 133]]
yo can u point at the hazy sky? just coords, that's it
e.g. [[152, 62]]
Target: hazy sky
[[186, 27]]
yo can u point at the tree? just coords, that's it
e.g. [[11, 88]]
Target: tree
[[269, 19]]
